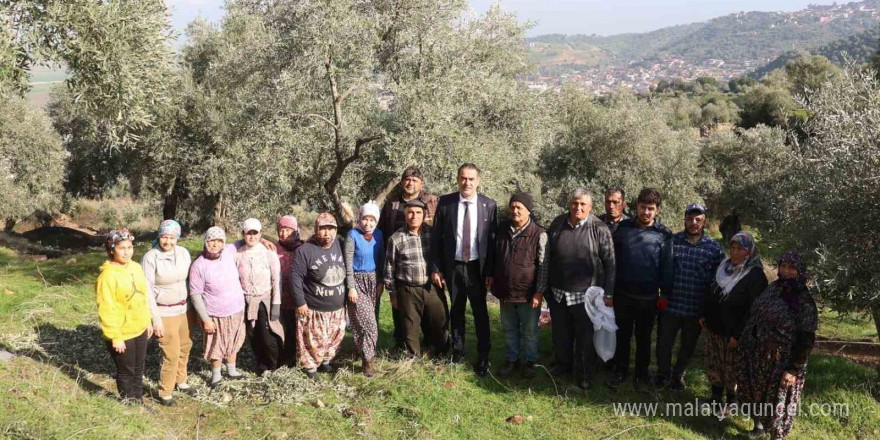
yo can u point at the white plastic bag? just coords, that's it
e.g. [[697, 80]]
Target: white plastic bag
[[605, 342], [604, 324]]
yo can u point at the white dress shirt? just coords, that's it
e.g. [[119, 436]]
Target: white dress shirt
[[472, 216]]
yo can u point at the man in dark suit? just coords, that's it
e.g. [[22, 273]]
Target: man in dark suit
[[463, 246]]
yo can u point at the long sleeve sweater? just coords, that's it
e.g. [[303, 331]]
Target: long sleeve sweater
[[121, 295], [166, 274]]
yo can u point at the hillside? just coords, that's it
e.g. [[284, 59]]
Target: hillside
[[741, 37], [857, 48]]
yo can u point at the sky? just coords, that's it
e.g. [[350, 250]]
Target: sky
[[603, 17]]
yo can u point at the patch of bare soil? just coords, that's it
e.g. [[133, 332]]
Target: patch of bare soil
[[865, 353]]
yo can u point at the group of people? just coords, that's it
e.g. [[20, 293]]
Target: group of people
[[294, 299]]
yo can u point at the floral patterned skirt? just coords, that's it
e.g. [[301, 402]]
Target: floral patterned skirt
[[318, 337], [363, 315], [720, 362], [761, 366], [228, 337]]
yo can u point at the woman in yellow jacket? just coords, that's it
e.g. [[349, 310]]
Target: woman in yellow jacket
[[124, 313]]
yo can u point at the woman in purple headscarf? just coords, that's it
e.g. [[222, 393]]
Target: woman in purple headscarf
[[774, 347]]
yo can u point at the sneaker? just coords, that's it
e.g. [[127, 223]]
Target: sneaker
[[507, 369], [482, 368], [313, 375], [215, 385], [235, 375], [530, 370]]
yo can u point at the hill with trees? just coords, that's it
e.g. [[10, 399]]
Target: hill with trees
[[752, 36], [858, 48]]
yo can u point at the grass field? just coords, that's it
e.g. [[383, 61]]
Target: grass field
[[59, 386]]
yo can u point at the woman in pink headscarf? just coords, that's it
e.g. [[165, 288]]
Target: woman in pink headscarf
[[288, 242]]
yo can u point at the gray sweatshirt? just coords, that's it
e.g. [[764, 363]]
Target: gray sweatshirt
[[166, 274]]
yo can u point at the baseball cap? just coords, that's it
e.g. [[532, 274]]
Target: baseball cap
[[695, 207]]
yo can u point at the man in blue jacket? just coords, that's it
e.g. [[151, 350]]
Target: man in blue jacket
[[643, 252]]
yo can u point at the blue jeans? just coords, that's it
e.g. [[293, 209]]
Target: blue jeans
[[520, 323]]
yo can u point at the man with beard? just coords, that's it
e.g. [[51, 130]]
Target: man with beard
[[695, 259], [643, 253], [393, 218], [288, 242]]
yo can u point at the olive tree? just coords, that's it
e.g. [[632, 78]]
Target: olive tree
[[31, 161], [749, 165], [831, 198], [625, 142], [117, 52], [325, 102]]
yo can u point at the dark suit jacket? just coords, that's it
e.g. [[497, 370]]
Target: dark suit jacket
[[445, 224]]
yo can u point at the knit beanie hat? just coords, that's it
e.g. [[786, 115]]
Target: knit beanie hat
[[524, 198]]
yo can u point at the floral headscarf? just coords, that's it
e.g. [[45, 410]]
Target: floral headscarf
[[167, 227], [794, 258], [116, 236], [213, 233], [790, 288]]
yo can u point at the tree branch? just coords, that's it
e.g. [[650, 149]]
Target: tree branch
[[347, 92], [316, 116], [386, 190]]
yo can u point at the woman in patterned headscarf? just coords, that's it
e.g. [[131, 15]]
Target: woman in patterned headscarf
[[166, 267], [317, 280], [363, 259], [774, 347], [124, 314], [739, 279], [217, 297]]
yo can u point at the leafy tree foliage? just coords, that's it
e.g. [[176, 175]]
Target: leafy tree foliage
[[31, 161], [831, 199], [117, 53], [325, 102], [626, 142], [749, 166]]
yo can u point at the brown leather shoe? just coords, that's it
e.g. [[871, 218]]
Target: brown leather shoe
[[368, 368]]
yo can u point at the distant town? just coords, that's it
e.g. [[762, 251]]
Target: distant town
[[643, 76]]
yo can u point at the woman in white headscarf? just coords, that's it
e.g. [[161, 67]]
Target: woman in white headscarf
[[738, 281], [363, 255], [259, 270]]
